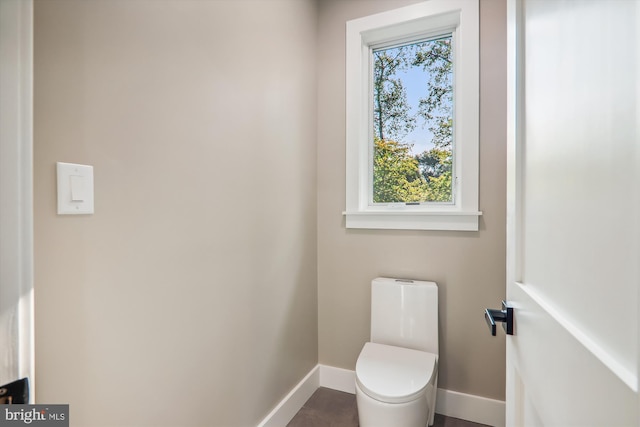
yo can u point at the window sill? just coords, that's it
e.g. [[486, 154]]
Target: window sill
[[452, 221]]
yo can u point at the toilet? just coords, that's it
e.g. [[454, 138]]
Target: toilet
[[397, 371]]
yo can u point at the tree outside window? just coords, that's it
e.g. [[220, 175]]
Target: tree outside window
[[413, 122]]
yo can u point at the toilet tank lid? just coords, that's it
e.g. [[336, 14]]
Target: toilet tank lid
[[394, 374], [404, 281]]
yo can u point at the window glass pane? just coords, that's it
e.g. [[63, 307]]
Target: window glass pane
[[413, 122]]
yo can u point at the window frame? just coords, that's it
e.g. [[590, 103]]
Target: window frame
[[401, 26]]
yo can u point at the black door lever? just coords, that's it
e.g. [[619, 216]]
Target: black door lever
[[505, 316]]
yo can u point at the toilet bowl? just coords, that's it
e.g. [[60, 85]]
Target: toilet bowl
[[397, 372]]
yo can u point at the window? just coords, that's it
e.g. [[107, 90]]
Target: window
[[412, 107], [412, 118]]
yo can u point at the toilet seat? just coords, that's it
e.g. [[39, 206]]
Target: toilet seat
[[394, 374]]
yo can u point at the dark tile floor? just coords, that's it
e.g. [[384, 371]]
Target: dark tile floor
[[331, 408]]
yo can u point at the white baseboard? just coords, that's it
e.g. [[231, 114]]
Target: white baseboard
[[292, 402], [338, 379], [471, 408], [450, 403]]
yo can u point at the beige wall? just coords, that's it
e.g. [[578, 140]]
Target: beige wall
[[189, 298], [469, 267]]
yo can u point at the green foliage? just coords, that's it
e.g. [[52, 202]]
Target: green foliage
[[434, 162], [439, 188], [397, 175]]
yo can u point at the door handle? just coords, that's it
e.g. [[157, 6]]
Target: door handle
[[491, 316]]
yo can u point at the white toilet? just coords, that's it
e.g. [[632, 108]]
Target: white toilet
[[397, 372]]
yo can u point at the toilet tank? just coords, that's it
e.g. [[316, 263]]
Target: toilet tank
[[404, 313]]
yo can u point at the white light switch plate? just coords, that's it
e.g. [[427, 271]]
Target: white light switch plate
[[75, 189]]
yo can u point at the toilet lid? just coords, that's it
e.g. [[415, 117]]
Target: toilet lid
[[393, 374]]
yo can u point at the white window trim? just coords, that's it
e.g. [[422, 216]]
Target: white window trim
[[403, 25]]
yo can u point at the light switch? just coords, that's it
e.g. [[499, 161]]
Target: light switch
[[75, 189]]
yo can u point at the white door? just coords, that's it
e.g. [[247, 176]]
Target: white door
[[573, 212], [16, 207]]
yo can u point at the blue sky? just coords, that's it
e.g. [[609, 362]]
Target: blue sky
[[415, 81]]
